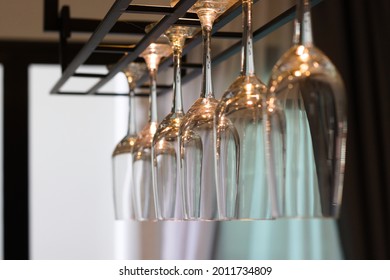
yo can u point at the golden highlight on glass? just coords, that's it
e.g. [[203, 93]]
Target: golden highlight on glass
[[122, 157], [243, 191], [165, 147], [196, 130], [307, 127], [142, 152]]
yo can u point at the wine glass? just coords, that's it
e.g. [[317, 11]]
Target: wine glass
[[165, 148], [196, 129], [243, 191], [142, 158], [122, 161], [307, 112]]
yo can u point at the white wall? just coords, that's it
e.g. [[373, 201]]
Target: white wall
[[71, 141]]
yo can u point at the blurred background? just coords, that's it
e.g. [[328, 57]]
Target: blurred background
[[56, 193]]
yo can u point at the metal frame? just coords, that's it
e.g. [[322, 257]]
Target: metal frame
[[110, 24]]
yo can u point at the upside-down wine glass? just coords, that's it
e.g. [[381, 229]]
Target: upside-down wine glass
[[242, 182], [165, 147], [122, 160], [307, 88], [196, 130], [142, 157]]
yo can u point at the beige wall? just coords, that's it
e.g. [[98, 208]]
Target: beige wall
[[23, 20]]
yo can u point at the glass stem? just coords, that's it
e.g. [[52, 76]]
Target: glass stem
[[177, 106], [207, 84], [302, 25], [153, 95], [131, 123], [247, 60]]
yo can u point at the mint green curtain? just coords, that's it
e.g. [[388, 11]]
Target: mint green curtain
[[283, 239], [280, 239]]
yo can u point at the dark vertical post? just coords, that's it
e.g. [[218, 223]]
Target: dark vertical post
[[15, 161], [64, 35], [50, 18]]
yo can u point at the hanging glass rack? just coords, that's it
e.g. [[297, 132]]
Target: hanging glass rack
[[124, 54]]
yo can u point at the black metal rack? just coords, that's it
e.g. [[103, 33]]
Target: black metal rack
[[124, 54]]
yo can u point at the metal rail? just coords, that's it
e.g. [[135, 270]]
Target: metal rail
[[108, 22], [130, 53], [179, 10]]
